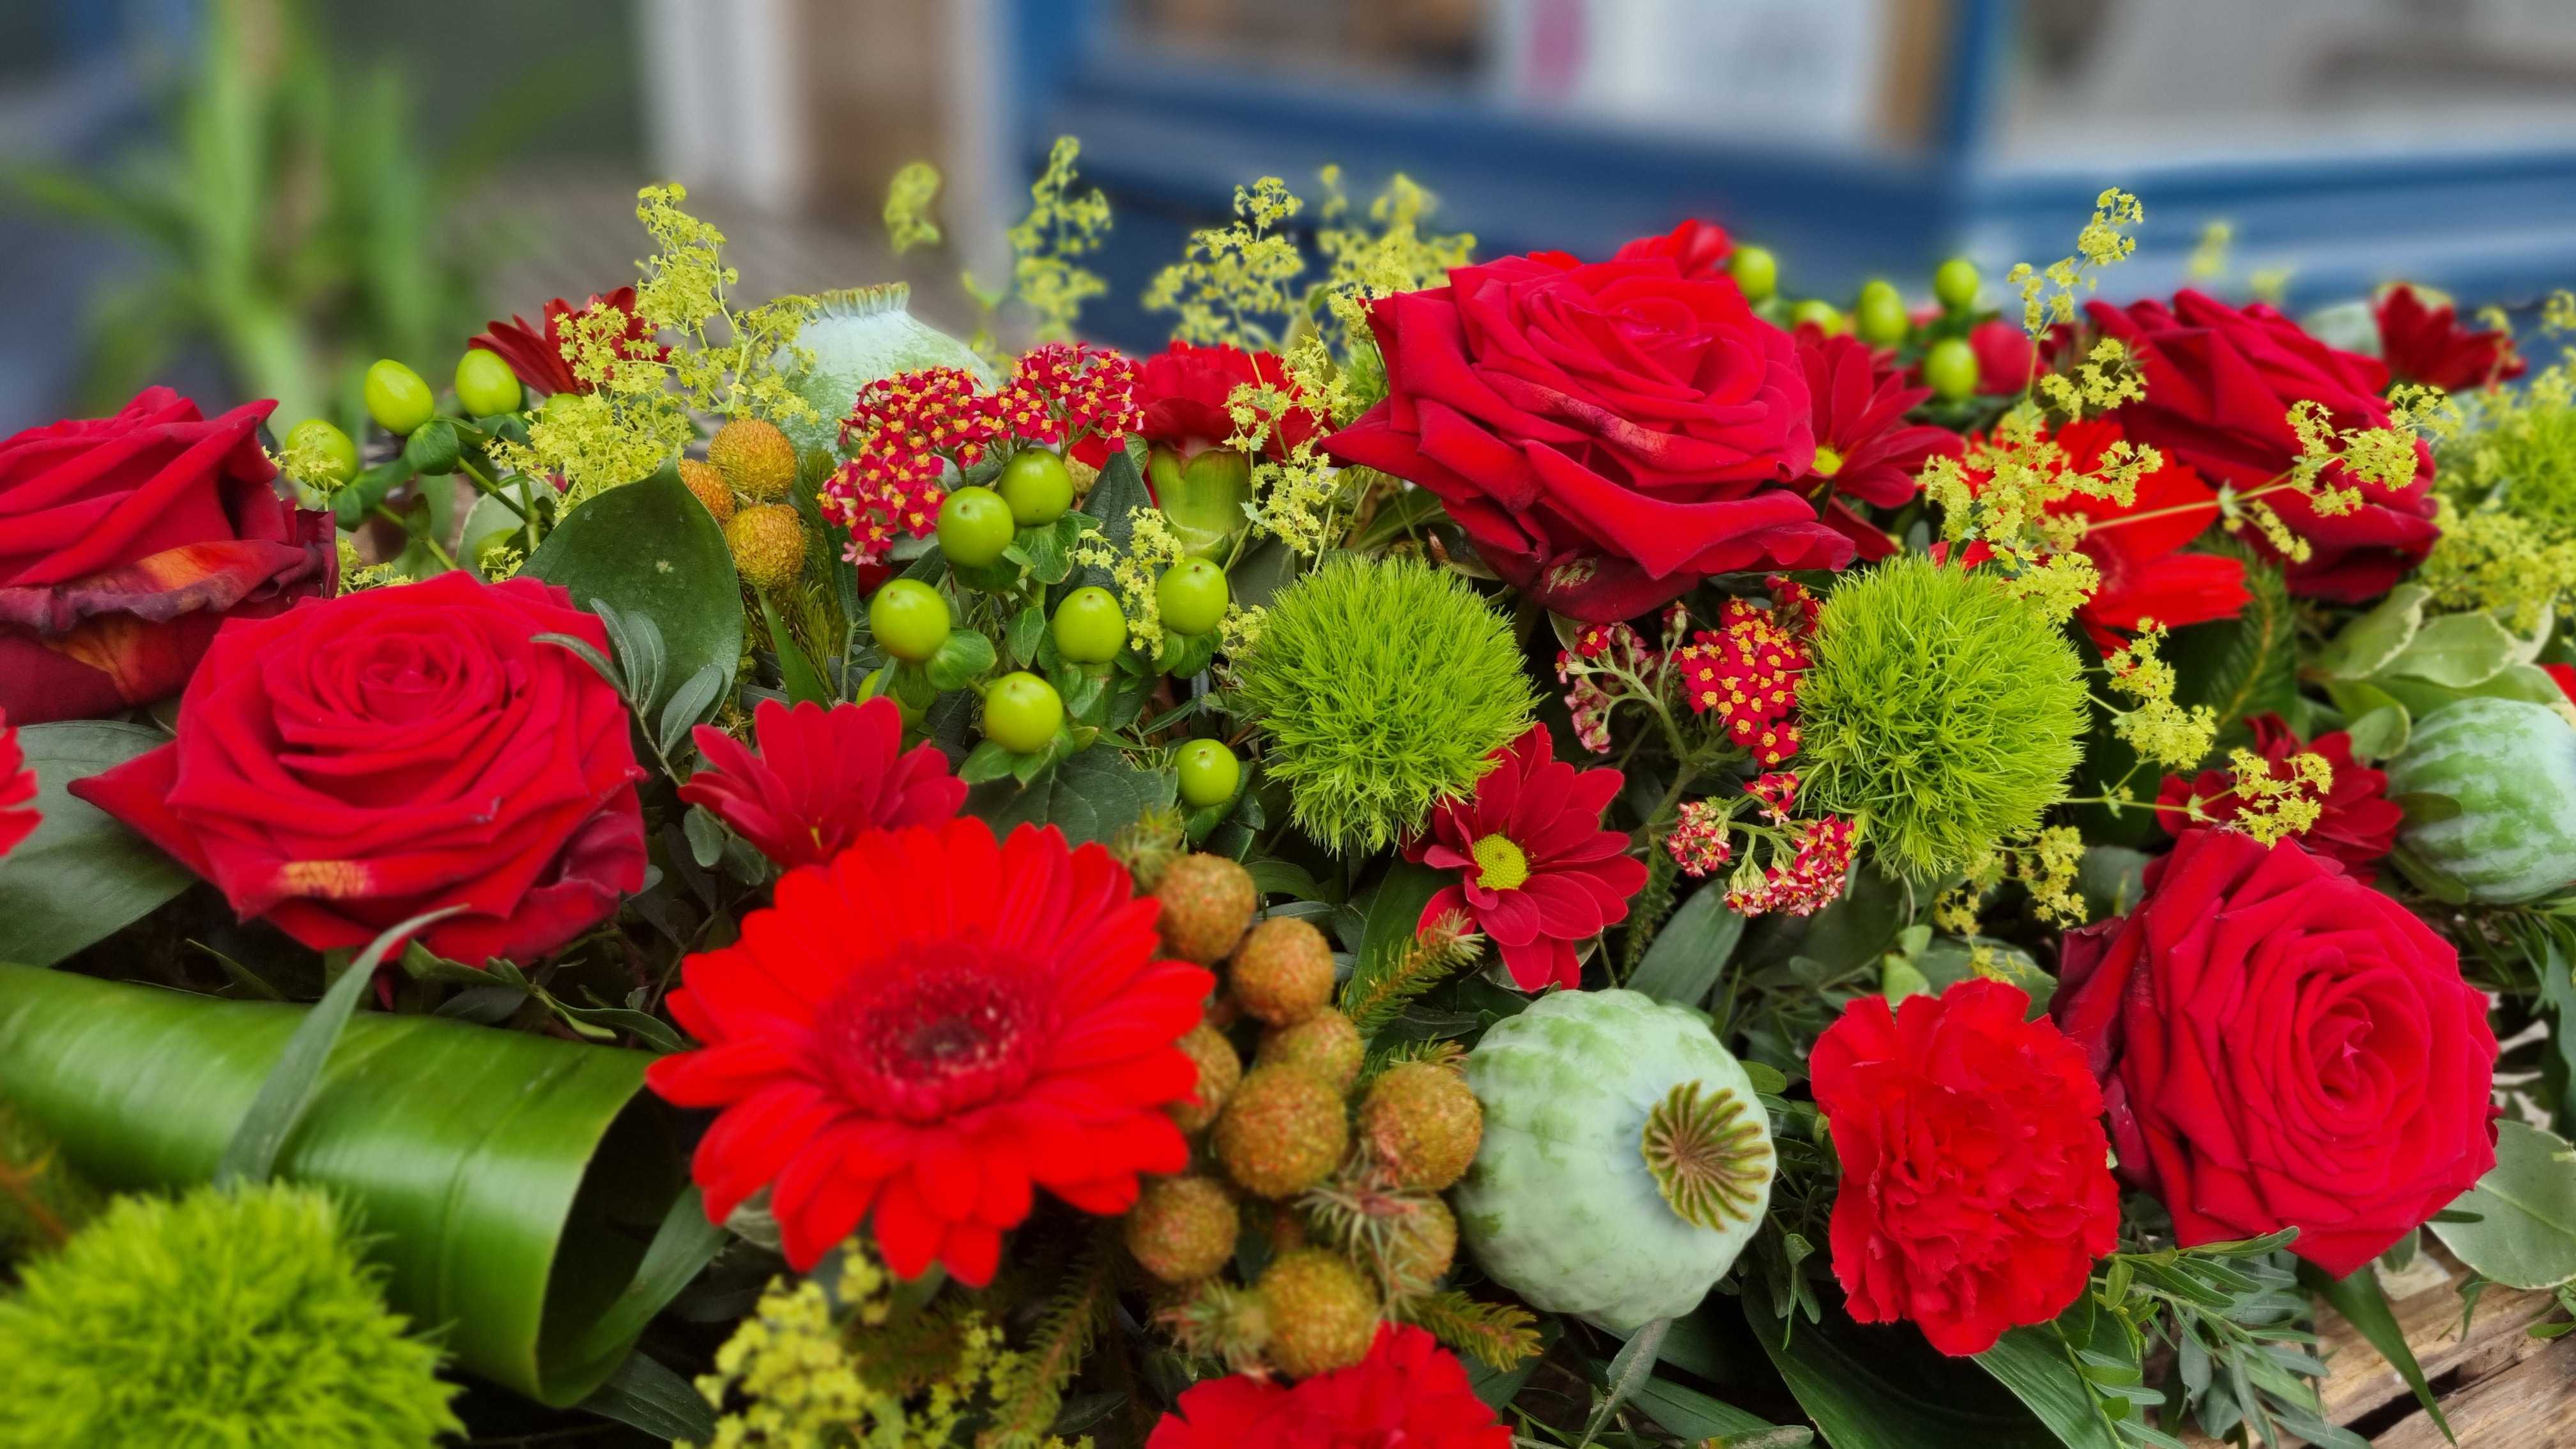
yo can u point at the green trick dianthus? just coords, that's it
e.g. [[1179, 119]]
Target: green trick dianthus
[[1940, 710], [230, 1316], [1383, 686]]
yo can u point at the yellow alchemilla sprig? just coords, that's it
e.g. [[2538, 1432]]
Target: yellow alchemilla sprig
[[312, 466], [2271, 808], [2492, 559], [1047, 277], [908, 221], [2558, 313], [1151, 548], [1232, 277], [2159, 728], [2048, 293], [2024, 471], [2209, 258], [357, 575]]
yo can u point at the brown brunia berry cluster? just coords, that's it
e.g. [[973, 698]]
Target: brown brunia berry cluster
[[1326, 1173], [767, 536]]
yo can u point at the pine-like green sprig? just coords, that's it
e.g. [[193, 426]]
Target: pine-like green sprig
[[1941, 712], [42, 1201], [1384, 687], [1497, 1335], [228, 1316]]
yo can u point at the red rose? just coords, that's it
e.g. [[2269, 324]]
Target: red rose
[[2428, 345], [1409, 1393], [1699, 248], [2356, 824], [2281, 1046], [125, 542], [365, 759], [1974, 1195], [1183, 392], [2005, 358], [2220, 384], [1609, 435]]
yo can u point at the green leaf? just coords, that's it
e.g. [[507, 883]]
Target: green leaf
[[1091, 796], [690, 704], [523, 1193], [1632, 1367], [964, 657], [81, 876], [798, 676], [645, 1395], [1119, 491], [650, 549], [251, 1156], [1265, 569], [1691, 951], [2364, 1304], [2033, 1363], [1028, 627], [1885, 1388], [1410, 508], [2458, 651], [1392, 916], [2377, 637], [2380, 733], [1695, 1416], [2526, 1233]]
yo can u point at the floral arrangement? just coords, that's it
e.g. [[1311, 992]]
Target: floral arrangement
[[1483, 851]]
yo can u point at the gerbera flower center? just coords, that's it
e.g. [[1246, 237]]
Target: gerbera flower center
[[1500, 865], [927, 1043], [1828, 462]]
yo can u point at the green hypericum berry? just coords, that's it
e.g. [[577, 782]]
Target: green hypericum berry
[[397, 398], [1756, 272], [1384, 686], [318, 436], [1941, 712], [1209, 771], [236, 1316], [1192, 595], [1956, 284], [1951, 368], [1037, 485], [1879, 315], [974, 527], [910, 619], [1824, 315], [1022, 713], [1090, 627], [485, 385]]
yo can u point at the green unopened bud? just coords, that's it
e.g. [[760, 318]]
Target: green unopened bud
[[1203, 497], [431, 449]]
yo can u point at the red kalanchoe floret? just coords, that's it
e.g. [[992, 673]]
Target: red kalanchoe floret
[[1746, 673], [535, 352], [1537, 871], [1976, 1190], [925, 1029], [1864, 447], [2428, 345], [1409, 1393], [1182, 398], [821, 779], [2140, 548], [1700, 248], [17, 787], [2356, 825]]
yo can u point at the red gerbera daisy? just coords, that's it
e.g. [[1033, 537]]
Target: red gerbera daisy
[[821, 779], [1864, 447], [2428, 345], [1409, 1393], [2139, 548], [534, 350], [2356, 822], [17, 787], [1537, 871], [924, 1029]]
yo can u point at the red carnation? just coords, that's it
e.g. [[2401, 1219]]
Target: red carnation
[[821, 779], [2428, 345], [1183, 392], [1700, 248], [1608, 435], [1537, 873], [17, 787], [2356, 826], [535, 352], [925, 1028], [1409, 1393], [2220, 385], [1864, 447], [1975, 1194], [2280, 1046], [2140, 548]]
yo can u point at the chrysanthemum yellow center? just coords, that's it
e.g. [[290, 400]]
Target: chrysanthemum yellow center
[[1500, 865], [1828, 463]]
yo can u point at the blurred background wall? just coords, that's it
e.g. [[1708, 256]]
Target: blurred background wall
[[246, 197]]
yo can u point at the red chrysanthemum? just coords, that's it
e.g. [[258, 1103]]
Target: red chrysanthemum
[[1183, 394], [821, 779], [17, 787], [1699, 248], [924, 1029], [1409, 1393], [2139, 547], [1537, 873], [2428, 345], [2356, 824], [1977, 1186], [535, 352], [1864, 447]]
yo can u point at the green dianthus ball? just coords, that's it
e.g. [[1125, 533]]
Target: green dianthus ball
[[1383, 686], [228, 1316], [1943, 712]]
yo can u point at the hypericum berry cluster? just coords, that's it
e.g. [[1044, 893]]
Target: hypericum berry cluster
[[1812, 879], [906, 433], [1746, 670]]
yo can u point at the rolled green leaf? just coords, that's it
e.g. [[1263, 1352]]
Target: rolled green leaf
[[512, 1184]]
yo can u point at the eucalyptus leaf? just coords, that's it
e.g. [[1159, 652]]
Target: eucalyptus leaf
[[80, 876], [649, 549], [2525, 1236], [1691, 951], [2371, 641]]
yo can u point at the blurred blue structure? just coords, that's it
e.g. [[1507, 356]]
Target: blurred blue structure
[[2488, 221]]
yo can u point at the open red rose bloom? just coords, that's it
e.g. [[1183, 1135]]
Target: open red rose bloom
[[925, 1029]]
